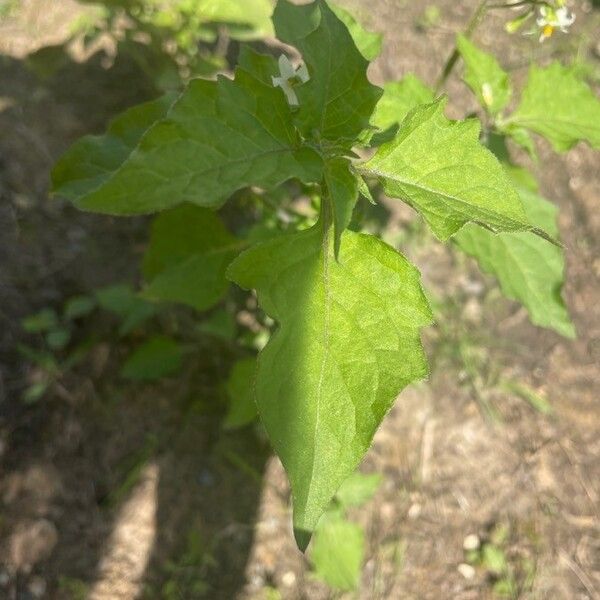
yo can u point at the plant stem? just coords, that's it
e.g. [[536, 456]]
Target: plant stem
[[474, 21]]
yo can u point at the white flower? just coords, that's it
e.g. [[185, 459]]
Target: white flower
[[550, 19], [289, 78]]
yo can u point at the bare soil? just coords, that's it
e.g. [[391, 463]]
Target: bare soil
[[459, 453]]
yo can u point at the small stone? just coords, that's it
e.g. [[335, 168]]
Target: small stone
[[288, 579], [37, 587], [414, 511], [467, 571], [471, 542], [32, 542]]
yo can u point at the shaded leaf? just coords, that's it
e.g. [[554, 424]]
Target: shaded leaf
[[240, 389], [218, 137], [93, 159], [121, 300], [188, 254], [347, 344], [78, 306], [342, 192], [42, 321], [159, 357]]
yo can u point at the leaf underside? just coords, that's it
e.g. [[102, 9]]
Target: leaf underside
[[347, 344], [440, 168]]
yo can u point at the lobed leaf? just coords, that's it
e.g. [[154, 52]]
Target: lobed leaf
[[483, 74], [92, 160], [439, 168], [558, 105], [347, 344], [528, 268], [188, 255], [337, 101], [218, 137]]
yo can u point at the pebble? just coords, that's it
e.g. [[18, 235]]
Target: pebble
[[37, 587], [471, 542], [288, 579], [467, 571]]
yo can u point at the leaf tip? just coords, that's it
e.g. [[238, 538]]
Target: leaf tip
[[302, 537]]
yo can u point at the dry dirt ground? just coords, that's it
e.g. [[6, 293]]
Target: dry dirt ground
[[460, 454]]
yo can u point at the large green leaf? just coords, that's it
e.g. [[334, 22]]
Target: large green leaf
[[368, 43], [483, 74], [189, 251], [347, 344], [557, 104], [528, 268], [440, 168], [338, 100], [342, 192], [93, 159], [218, 137]]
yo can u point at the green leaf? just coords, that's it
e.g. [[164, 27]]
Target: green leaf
[[159, 357], [42, 321], [262, 66], [337, 101], [358, 489], [121, 300], [347, 344], [439, 168], [338, 553], [189, 251], [78, 306], [58, 338], [368, 43], [399, 98], [528, 268], [483, 74], [253, 13], [92, 160], [558, 105], [342, 192], [219, 137], [220, 324], [240, 389]]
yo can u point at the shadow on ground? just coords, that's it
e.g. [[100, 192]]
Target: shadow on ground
[[103, 485]]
